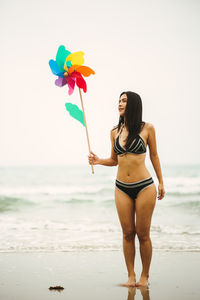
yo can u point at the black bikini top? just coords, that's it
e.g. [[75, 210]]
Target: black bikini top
[[137, 146]]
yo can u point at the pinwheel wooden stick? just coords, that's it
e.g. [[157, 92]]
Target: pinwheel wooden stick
[[70, 71], [86, 127]]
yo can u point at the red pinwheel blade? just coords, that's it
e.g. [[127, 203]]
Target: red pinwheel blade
[[80, 82]]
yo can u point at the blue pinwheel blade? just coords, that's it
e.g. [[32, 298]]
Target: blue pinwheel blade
[[55, 68]]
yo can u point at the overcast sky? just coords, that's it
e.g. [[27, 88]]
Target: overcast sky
[[149, 47]]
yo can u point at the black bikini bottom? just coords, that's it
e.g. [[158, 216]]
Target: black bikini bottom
[[134, 188]]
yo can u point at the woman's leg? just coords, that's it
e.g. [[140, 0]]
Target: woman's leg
[[145, 203], [126, 212]]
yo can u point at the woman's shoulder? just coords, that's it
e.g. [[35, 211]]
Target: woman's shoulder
[[148, 129], [114, 131], [148, 126]]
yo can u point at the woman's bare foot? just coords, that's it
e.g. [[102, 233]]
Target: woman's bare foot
[[143, 281], [131, 281]]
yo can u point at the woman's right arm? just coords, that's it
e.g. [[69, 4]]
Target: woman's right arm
[[111, 161]]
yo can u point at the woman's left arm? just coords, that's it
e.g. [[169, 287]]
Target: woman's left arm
[[155, 159]]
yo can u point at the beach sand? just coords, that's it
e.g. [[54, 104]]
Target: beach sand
[[97, 275]]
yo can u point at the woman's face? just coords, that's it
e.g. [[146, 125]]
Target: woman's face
[[122, 104]]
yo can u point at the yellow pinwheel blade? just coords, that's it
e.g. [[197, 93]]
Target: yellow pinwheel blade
[[76, 58]]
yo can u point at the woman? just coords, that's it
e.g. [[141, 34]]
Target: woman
[[135, 191]]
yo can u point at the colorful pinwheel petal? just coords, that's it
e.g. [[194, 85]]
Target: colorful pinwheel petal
[[71, 84], [76, 58], [55, 68], [61, 56], [61, 81], [80, 82], [85, 71]]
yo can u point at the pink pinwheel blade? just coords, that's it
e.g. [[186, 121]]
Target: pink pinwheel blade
[[71, 84], [61, 81]]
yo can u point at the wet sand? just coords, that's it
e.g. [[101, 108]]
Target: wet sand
[[97, 275]]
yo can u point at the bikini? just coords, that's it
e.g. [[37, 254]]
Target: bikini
[[137, 147]]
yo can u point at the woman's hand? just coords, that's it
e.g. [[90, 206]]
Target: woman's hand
[[93, 159], [161, 191]]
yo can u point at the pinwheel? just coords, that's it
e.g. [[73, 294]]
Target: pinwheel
[[68, 67], [70, 71]]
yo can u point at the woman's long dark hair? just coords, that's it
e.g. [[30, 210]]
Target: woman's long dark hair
[[132, 116]]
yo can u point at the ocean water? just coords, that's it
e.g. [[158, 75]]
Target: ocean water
[[67, 208]]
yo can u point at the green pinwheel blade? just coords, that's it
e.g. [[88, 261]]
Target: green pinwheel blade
[[75, 112], [61, 56]]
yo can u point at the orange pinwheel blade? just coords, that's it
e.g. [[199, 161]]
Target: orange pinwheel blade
[[85, 71]]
